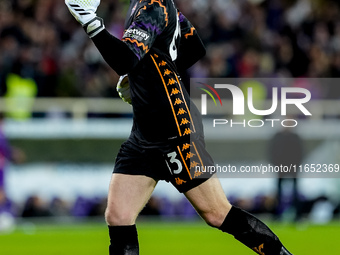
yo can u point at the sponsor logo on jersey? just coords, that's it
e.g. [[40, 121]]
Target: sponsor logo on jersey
[[137, 34]]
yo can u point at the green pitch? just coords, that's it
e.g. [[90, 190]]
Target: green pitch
[[157, 237]]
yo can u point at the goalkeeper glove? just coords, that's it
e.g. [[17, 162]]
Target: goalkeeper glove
[[84, 11], [123, 89]]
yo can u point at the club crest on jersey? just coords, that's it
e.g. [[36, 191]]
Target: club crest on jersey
[[137, 34]]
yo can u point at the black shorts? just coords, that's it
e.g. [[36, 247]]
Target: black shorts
[[179, 162]]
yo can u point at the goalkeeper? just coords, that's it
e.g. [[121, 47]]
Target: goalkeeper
[[167, 132]]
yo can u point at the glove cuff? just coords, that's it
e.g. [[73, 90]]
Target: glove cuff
[[94, 26]]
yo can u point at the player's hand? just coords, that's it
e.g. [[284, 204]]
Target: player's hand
[[84, 11], [123, 89]]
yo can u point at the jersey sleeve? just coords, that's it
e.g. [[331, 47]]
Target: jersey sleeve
[[187, 29], [191, 48], [149, 22]]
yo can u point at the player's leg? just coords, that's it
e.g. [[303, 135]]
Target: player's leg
[[210, 202], [127, 196]]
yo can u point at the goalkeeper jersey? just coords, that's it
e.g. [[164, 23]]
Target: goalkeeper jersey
[[154, 31]]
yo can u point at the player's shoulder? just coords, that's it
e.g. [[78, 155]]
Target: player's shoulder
[[158, 2], [154, 10], [150, 4]]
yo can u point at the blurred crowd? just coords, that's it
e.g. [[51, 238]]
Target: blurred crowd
[[86, 207], [40, 42], [44, 48]]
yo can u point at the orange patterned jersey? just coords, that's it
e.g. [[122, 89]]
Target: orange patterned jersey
[[154, 30]]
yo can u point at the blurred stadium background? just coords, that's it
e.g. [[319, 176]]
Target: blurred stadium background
[[63, 114]]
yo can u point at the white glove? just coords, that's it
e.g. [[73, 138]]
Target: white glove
[[123, 89], [84, 11]]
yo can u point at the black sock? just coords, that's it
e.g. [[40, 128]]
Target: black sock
[[123, 240], [252, 232]]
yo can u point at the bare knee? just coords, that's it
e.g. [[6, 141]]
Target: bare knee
[[214, 218], [215, 215], [117, 217]]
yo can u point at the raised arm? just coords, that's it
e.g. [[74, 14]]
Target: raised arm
[[122, 55], [115, 52]]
